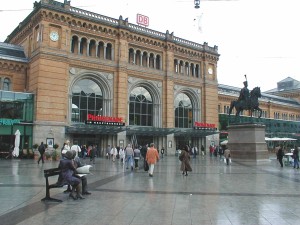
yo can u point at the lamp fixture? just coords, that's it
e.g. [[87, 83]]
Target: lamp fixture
[[197, 4]]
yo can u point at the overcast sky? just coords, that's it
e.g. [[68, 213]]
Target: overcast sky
[[259, 38]]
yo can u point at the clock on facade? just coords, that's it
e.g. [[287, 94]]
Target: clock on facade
[[54, 36], [210, 71]]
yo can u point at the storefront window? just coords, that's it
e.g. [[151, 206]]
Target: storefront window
[[87, 99], [140, 107], [183, 111]]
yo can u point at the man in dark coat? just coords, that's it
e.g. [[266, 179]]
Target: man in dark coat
[[280, 155], [41, 150]]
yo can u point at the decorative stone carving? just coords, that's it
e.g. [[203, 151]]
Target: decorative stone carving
[[130, 80], [72, 71]]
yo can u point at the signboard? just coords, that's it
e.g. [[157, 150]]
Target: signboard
[[204, 126], [104, 120], [9, 122], [142, 20]]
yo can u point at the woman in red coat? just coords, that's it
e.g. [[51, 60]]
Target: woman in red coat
[[152, 157]]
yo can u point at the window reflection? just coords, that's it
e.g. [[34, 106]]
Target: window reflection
[[140, 107], [86, 99], [183, 111]]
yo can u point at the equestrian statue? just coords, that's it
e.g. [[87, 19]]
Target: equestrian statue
[[247, 100]]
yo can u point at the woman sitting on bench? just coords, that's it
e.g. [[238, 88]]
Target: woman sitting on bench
[[66, 177], [77, 164]]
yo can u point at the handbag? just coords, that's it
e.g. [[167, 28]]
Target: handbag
[[146, 166], [181, 157]]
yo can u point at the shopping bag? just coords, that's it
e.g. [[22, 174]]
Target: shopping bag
[[84, 169], [146, 166]]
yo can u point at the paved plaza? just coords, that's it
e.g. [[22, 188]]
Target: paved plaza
[[214, 193]]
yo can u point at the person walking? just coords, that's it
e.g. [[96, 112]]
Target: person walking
[[129, 156], [41, 150], [114, 153], [202, 150], [152, 157], [227, 155], [137, 156], [65, 148], [93, 153], [107, 152], [162, 152], [122, 155], [296, 157], [194, 152], [280, 155], [185, 161], [77, 149], [211, 150]]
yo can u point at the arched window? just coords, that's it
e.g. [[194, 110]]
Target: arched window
[[100, 50], [131, 56], [74, 45], [183, 111], [87, 99], [157, 63], [92, 48], [140, 107], [109, 51], [151, 60], [175, 65], [83, 46], [6, 84]]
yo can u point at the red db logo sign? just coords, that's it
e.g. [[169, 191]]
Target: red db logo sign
[[142, 20]]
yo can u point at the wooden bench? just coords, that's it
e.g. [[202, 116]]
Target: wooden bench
[[4, 154], [50, 173]]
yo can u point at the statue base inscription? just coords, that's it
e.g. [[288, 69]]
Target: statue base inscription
[[246, 142]]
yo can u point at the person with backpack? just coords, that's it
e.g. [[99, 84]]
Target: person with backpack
[[41, 150]]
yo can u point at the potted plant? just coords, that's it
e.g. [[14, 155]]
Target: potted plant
[[35, 146], [36, 152], [55, 155], [55, 146], [47, 155]]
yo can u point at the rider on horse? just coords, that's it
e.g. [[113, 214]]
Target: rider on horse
[[244, 94], [247, 100]]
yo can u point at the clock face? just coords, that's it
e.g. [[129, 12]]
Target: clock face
[[54, 36], [210, 71]]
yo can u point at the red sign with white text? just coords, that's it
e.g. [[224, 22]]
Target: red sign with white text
[[104, 120], [142, 20], [200, 125]]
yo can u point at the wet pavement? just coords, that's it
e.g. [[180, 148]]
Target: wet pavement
[[213, 193]]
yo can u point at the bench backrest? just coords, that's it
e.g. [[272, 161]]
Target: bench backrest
[[52, 172]]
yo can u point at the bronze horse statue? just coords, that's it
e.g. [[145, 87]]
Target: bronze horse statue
[[250, 105]]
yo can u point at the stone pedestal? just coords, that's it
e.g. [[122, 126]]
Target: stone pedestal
[[247, 142]]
